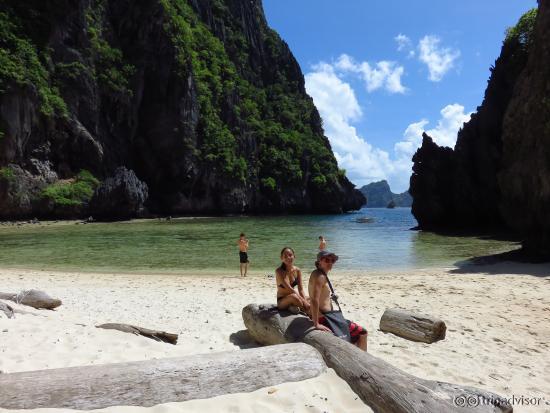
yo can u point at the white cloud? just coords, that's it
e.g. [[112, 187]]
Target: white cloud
[[331, 93], [444, 134], [364, 163], [404, 44], [438, 59], [452, 119], [338, 106], [412, 139], [383, 74]]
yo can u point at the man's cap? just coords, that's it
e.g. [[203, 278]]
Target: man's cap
[[325, 254]]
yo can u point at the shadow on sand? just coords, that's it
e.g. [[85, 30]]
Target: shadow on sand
[[243, 340], [510, 262]]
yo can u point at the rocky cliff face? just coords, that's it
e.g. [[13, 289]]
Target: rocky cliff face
[[524, 178], [432, 185], [379, 195], [199, 99], [496, 176]]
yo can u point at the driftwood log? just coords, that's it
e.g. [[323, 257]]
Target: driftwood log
[[386, 389], [10, 311], [7, 309], [140, 331], [151, 382], [32, 298], [415, 327]]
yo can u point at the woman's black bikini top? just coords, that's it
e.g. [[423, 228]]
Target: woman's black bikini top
[[293, 284]]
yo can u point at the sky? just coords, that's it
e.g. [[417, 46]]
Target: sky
[[382, 72]]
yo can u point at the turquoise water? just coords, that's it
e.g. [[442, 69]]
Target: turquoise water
[[211, 243]]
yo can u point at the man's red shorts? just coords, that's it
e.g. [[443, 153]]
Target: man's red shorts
[[355, 329]]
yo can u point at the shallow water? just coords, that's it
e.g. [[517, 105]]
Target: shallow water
[[211, 243]]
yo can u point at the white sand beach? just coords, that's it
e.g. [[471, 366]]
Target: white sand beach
[[498, 333]]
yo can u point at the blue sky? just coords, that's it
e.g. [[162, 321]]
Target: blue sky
[[381, 72]]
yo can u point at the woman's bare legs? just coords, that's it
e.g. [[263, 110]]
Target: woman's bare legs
[[291, 299]]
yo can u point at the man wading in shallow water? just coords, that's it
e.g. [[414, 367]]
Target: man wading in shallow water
[[243, 253], [322, 243], [319, 293]]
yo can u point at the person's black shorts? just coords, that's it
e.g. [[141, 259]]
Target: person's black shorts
[[243, 257]]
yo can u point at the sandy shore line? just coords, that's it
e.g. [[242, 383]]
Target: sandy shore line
[[498, 335]]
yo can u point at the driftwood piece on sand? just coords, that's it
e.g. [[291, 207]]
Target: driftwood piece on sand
[[7, 309], [10, 311], [140, 331], [151, 382], [386, 389], [33, 298], [412, 326]]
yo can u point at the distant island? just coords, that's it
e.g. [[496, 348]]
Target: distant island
[[379, 195]]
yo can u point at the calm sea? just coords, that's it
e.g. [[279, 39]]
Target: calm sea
[[367, 239]]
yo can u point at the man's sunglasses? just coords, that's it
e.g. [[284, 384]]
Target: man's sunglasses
[[331, 260]]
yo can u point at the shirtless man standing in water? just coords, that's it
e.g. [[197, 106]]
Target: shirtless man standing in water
[[322, 243], [243, 253], [319, 293]]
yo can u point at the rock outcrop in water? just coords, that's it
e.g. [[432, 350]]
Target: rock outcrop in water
[[379, 195], [498, 175], [432, 185], [199, 99]]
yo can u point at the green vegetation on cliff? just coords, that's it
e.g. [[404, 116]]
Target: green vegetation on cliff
[[111, 70], [6, 173], [277, 115], [215, 78], [73, 192], [523, 31], [21, 63]]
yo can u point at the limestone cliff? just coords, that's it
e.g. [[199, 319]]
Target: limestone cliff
[[524, 178], [497, 177], [199, 100]]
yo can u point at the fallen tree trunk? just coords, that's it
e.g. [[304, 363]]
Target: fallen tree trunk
[[151, 382], [7, 309], [386, 389], [140, 331], [33, 298], [415, 327]]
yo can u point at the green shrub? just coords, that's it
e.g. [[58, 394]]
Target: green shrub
[[72, 192], [269, 183], [87, 177], [7, 173], [523, 30], [320, 181], [73, 70]]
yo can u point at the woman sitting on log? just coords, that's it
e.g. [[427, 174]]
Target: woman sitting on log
[[288, 277]]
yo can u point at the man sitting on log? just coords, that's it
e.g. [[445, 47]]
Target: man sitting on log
[[319, 288]]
